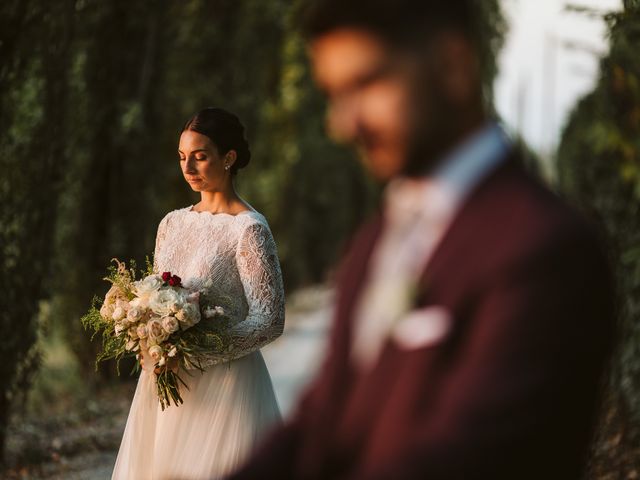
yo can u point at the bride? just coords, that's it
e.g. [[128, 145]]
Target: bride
[[228, 408]]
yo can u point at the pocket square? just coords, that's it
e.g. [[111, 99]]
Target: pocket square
[[422, 328]]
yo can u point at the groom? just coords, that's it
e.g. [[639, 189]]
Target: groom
[[474, 313]]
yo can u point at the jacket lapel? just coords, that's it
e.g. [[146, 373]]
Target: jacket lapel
[[466, 223]]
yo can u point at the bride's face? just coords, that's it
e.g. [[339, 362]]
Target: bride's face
[[202, 165]]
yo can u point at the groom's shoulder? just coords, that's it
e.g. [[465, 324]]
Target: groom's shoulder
[[545, 204], [520, 196], [519, 211]]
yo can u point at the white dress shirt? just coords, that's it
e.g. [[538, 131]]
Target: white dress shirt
[[418, 212]]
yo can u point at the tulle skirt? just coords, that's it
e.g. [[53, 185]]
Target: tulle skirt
[[226, 412]]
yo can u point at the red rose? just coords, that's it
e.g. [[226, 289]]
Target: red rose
[[174, 281], [166, 276]]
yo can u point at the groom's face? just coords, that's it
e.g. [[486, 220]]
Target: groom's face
[[369, 100]]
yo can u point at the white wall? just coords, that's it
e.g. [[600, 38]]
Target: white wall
[[541, 75]]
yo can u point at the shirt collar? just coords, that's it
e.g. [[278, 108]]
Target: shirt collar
[[454, 178]]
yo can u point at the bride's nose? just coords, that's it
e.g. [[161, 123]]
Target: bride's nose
[[190, 166]]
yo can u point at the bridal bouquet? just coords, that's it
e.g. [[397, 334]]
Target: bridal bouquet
[[176, 326]]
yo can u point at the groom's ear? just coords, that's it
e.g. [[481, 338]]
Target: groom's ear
[[457, 65]]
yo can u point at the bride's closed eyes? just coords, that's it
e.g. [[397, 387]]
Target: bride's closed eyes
[[200, 157]]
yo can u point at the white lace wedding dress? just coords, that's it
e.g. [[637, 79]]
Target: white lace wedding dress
[[228, 408]]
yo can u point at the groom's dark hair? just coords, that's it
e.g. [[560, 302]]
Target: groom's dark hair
[[401, 23]]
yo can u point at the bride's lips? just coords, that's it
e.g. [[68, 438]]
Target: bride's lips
[[193, 180]]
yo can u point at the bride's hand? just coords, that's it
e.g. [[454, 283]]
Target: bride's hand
[[172, 363], [144, 357]]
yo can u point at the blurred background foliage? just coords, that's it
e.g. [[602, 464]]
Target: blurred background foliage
[[93, 95], [599, 169]]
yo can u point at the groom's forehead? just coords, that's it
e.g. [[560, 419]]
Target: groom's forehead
[[345, 56]]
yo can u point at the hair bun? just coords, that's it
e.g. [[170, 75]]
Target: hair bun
[[243, 154]]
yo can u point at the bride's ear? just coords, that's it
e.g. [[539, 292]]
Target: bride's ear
[[229, 159]]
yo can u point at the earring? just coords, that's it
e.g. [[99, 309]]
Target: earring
[[226, 167]]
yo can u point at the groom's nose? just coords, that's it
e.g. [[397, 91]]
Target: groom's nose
[[343, 118]]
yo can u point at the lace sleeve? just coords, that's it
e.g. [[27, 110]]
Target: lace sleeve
[[261, 277], [162, 227]]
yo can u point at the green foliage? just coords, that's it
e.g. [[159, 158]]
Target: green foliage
[[493, 28], [92, 97], [34, 59], [599, 167], [113, 347], [199, 341]]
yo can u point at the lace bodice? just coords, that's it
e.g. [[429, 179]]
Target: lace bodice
[[239, 255]]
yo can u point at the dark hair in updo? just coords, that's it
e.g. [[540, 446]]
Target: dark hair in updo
[[401, 23], [225, 131]]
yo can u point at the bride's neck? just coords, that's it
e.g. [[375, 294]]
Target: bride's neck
[[219, 201]]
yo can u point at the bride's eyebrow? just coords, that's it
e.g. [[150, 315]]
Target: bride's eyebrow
[[194, 151]]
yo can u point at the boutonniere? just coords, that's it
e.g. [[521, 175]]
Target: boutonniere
[[401, 298]]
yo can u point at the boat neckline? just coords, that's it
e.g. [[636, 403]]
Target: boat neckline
[[189, 209]]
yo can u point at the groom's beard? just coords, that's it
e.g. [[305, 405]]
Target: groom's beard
[[436, 130]]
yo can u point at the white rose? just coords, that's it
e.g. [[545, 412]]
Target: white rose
[[113, 295], [144, 288], [194, 297], [130, 344], [123, 304], [166, 301], [189, 315], [155, 352], [106, 311], [135, 314], [140, 302], [156, 333], [170, 324], [118, 314], [142, 331], [193, 312]]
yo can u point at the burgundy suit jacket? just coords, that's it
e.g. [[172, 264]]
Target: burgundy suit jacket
[[510, 393]]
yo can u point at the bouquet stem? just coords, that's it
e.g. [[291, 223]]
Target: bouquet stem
[[168, 388]]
